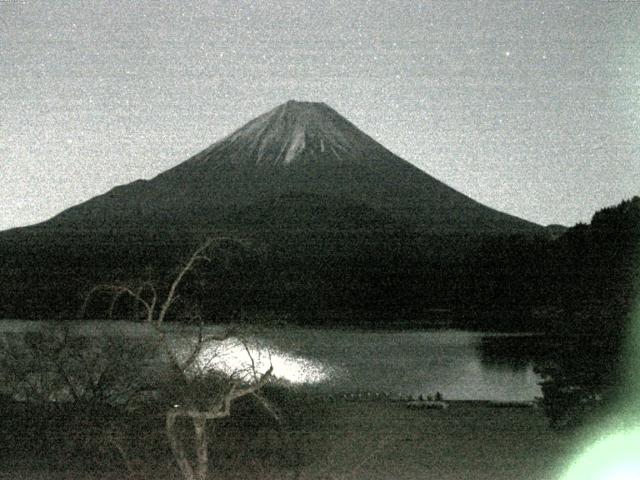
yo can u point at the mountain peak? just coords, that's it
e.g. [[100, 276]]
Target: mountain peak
[[303, 104], [305, 112], [291, 133]]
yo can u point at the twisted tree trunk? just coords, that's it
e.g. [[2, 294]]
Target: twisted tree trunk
[[178, 448], [199, 425], [200, 470]]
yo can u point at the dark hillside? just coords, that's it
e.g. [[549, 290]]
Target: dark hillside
[[333, 225]]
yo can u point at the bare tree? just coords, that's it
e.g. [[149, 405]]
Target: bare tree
[[87, 380], [59, 364], [194, 388]]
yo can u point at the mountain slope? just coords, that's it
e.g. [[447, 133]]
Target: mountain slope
[[296, 148], [337, 227]]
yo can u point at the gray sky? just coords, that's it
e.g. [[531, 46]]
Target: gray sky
[[530, 107]]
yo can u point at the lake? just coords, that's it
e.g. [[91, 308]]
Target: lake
[[452, 362], [459, 364]]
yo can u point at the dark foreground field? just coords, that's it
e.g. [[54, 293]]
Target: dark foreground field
[[386, 440], [320, 440]]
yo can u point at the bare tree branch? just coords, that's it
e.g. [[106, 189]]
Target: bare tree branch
[[118, 291], [171, 296], [268, 406]]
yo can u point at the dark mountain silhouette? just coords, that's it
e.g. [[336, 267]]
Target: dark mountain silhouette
[[337, 227], [302, 151]]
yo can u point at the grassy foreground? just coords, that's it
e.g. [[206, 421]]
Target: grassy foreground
[[339, 439], [469, 440], [386, 440]]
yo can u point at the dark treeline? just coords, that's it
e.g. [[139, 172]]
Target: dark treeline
[[581, 282], [578, 282], [308, 276], [582, 292], [597, 267]]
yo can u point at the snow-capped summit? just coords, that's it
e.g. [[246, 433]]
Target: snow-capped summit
[[290, 133]]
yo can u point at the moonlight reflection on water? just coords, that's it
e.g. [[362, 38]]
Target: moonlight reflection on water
[[245, 359]]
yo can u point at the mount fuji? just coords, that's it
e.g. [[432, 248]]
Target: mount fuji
[[300, 165], [335, 225]]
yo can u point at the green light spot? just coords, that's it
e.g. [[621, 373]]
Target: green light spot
[[616, 457]]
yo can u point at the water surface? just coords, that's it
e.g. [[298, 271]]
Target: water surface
[[452, 362]]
